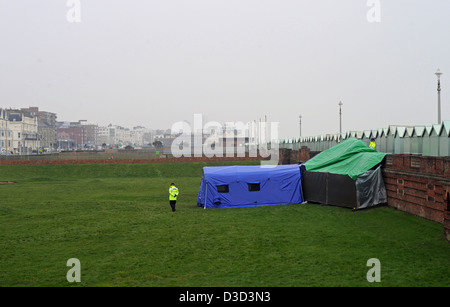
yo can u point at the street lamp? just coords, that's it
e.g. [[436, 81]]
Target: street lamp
[[300, 123], [340, 116], [438, 74]]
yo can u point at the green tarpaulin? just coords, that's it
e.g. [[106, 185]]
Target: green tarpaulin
[[351, 157]]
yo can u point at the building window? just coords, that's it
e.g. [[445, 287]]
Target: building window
[[223, 188]]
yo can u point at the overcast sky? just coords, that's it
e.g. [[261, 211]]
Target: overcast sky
[[153, 63]]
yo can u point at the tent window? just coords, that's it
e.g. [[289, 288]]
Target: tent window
[[223, 188], [252, 187]]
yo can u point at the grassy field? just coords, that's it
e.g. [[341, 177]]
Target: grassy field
[[117, 221]]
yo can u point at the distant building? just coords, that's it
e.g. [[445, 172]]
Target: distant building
[[47, 136], [111, 136], [46, 127], [165, 137], [70, 135], [141, 136], [77, 135], [65, 141], [102, 136], [90, 133], [5, 133], [117, 136], [122, 136], [18, 132]]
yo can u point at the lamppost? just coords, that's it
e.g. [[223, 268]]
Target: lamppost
[[300, 123], [340, 116], [438, 74]]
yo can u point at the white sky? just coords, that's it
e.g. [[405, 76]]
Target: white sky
[[153, 63]]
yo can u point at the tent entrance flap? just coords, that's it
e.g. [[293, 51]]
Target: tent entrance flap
[[329, 189]]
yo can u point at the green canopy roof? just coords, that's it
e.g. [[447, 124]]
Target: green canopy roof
[[351, 157]]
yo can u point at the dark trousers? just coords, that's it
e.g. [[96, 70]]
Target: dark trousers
[[172, 204]]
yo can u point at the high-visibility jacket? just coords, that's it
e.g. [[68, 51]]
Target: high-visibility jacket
[[173, 192], [372, 145]]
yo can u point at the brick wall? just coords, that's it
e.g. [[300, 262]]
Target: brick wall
[[418, 185], [447, 225], [290, 156]]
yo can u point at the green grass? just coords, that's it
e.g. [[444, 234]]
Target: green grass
[[117, 221]]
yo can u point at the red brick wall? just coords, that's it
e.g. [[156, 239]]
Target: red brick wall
[[447, 226], [290, 156], [418, 185]]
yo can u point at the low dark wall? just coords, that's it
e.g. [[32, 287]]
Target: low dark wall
[[126, 161]]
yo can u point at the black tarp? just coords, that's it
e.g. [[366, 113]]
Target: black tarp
[[340, 190], [329, 189], [370, 188]]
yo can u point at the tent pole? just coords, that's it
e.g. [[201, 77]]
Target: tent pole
[[206, 195]]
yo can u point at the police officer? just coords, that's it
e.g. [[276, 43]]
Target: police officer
[[173, 194], [372, 143]]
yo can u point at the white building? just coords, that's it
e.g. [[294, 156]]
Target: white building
[[113, 135], [121, 137], [141, 136], [5, 133], [18, 132], [103, 136]]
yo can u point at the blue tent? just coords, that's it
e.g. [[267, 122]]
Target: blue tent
[[250, 186]]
